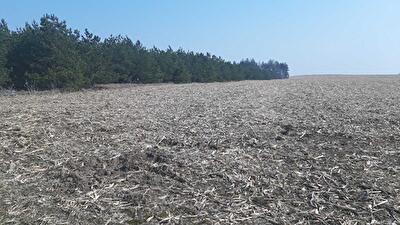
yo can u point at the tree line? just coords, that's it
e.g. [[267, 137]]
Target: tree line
[[48, 54]]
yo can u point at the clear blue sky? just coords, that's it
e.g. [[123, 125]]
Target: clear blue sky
[[312, 36]]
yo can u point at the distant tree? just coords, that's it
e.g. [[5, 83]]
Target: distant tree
[[181, 74], [276, 70], [49, 55], [166, 61], [45, 56], [95, 62], [284, 70], [5, 38]]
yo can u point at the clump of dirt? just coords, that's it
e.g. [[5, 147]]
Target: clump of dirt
[[310, 150]]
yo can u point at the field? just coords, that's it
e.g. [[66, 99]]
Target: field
[[307, 150]]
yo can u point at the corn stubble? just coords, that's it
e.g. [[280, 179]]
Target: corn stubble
[[308, 150]]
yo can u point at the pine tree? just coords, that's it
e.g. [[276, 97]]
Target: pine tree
[[49, 55], [45, 56], [4, 47], [90, 49]]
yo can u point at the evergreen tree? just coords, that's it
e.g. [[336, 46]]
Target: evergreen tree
[[45, 56], [49, 55], [91, 51], [4, 47], [181, 74]]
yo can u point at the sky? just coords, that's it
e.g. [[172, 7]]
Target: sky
[[311, 36]]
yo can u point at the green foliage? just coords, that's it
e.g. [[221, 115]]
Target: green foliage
[[49, 55], [45, 56], [181, 75], [4, 47]]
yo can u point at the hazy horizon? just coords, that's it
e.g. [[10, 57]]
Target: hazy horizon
[[346, 74], [335, 37]]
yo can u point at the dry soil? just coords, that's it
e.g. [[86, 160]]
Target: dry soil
[[308, 150]]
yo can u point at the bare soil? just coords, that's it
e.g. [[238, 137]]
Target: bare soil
[[308, 150]]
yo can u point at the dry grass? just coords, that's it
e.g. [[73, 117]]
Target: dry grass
[[300, 151]]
